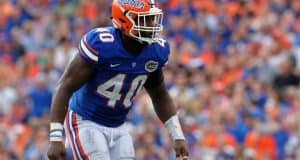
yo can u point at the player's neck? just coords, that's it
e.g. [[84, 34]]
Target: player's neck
[[132, 46]]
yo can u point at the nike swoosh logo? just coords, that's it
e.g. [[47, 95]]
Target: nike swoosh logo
[[114, 65]]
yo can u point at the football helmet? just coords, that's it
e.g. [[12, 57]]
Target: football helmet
[[139, 19]]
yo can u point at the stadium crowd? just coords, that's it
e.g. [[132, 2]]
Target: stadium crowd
[[234, 74]]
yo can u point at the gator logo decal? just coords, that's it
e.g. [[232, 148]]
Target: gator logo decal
[[151, 66]]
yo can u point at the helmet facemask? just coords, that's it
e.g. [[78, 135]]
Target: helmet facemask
[[147, 26]]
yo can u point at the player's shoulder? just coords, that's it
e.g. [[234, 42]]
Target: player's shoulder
[[104, 40], [98, 43], [162, 48], [101, 36]]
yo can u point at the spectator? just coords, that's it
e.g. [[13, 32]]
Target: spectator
[[287, 76], [41, 98]]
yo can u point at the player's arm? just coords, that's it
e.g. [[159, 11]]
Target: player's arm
[[78, 72], [165, 110], [163, 104], [75, 75]]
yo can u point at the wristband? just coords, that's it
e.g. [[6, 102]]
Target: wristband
[[56, 132], [174, 128], [56, 136], [56, 126]]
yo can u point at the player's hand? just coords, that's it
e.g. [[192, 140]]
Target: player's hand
[[181, 150], [56, 151]]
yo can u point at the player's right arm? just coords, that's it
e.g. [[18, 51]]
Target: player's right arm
[[75, 75]]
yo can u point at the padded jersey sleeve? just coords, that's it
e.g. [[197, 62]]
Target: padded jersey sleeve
[[164, 53], [88, 47]]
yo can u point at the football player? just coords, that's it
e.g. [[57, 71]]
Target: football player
[[96, 90]]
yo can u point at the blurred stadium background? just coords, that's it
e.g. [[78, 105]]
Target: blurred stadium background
[[233, 73]]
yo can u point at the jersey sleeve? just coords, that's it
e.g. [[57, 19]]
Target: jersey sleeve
[[164, 55], [87, 47]]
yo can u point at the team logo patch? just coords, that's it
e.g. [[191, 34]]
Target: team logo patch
[[135, 3], [151, 66]]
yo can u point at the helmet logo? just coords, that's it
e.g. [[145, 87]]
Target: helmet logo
[[135, 3]]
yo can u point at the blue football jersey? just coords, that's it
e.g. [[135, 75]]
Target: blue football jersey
[[107, 97]]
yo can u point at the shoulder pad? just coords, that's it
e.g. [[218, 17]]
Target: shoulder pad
[[94, 43]]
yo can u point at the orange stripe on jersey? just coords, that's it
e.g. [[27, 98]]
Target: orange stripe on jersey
[[71, 136], [84, 55], [90, 48], [81, 150]]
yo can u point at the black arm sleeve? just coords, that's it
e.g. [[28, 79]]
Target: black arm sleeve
[[154, 79]]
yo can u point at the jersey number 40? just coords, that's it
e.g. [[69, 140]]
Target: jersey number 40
[[111, 89]]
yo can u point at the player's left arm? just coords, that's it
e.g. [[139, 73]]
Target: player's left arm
[[165, 110]]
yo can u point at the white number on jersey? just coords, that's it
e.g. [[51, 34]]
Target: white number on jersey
[[136, 86], [105, 35], [111, 89], [161, 42], [116, 84]]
